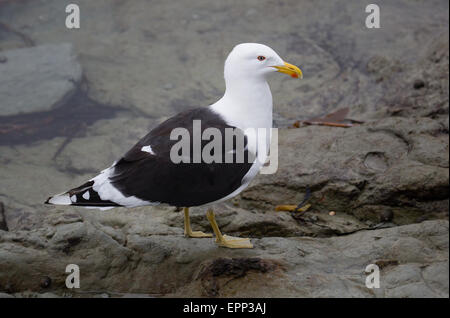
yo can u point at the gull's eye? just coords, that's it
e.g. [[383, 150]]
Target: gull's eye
[[261, 58]]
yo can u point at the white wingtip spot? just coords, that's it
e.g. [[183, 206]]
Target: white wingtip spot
[[73, 198], [86, 195], [147, 149], [60, 199]]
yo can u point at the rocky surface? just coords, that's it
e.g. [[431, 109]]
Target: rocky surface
[[395, 166], [386, 180], [38, 78], [118, 255]]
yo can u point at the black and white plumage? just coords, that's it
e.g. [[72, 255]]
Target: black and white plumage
[[146, 175]]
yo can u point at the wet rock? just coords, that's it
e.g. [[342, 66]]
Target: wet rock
[[312, 270], [422, 89], [376, 161], [257, 222], [383, 68], [68, 236], [333, 58], [20, 217], [418, 84], [352, 170], [81, 155], [227, 269], [294, 266], [43, 76], [153, 252], [3, 225], [386, 215], [46, 282]]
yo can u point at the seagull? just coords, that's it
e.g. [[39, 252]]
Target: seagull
[[153, 173]]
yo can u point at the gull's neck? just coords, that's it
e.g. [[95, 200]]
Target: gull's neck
[[247, 103]]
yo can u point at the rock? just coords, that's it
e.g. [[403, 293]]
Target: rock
[[217, 273], [418, 84], [354, 170], [3, 225], [43, 76], [46, 282], [81, 154], [68, 236], [333, 58], [20, 217], [383, 68], [30, 294], [408, 256], [422, 89]]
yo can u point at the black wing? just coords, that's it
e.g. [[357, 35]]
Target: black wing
[[154, 177]]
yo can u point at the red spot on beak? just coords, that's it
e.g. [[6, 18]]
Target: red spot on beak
[[295, 75]]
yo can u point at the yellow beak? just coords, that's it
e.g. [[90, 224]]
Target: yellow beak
[[290, 69]]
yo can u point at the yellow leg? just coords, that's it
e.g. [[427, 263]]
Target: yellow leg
[[225, 240], [187, 227]]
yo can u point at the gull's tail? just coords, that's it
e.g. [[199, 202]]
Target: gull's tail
[[84, 196]]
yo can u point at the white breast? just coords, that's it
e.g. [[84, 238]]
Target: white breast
[[250, 109]]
